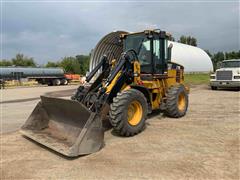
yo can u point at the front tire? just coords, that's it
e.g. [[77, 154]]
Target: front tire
[[177, 101], [213, 87], [128, 112]]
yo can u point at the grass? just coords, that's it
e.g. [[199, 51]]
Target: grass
[[197, 78]]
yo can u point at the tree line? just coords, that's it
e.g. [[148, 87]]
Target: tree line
[[75, 65], [19, 60], [189, 40]]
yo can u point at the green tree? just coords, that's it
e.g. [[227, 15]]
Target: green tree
[[69, 64], [217, 59], [183, 40], [21, 60], [75, 65], [232, 55], [5, 62], [83, 61], [188, 40], [52, 64]]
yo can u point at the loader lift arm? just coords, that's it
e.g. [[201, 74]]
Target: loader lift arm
[[121, 74], [126, 70], [102, 64], [83, 90]]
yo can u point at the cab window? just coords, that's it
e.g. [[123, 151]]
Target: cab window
[[145, 57], [145, 53], [158, 63]]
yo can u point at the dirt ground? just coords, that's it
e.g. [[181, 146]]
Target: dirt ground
[[202, 145], [17, 104]]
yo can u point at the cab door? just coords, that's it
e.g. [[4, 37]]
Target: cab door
[[145, 56], [159, 55]]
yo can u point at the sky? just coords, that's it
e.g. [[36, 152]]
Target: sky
[[51, 30]]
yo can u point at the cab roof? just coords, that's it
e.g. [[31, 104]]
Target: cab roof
[[148, 31]]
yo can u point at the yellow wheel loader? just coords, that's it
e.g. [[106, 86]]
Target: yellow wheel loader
[[124, 90]]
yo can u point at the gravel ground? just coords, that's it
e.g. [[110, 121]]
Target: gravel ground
[[30, 93], [202, 145], [17, 104]]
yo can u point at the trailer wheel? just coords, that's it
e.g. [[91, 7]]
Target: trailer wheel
[[56, 82], [49, 83], [128, 112], [64, 82]]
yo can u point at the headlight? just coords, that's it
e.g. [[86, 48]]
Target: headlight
[[212, 76], [236, 77]]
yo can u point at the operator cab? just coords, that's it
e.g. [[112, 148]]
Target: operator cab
[[151, 48]]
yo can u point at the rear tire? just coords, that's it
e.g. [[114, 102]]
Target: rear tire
[[177, 102], [50, 83], [64, 81], [128, 112], [56, 82]]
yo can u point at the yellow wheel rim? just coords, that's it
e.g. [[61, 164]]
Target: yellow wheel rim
[[181, 102], [135, 112]]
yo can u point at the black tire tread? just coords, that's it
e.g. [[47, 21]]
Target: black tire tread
[[118, 108], [172, 101]]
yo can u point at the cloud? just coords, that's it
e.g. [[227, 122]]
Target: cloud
[[49, 31]]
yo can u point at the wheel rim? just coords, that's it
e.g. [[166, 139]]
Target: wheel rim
[[135, 112], [181, 102]]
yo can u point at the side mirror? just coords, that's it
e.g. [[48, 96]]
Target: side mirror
[[169, 52]]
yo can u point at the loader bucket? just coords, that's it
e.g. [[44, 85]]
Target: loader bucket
[[65, 126]]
